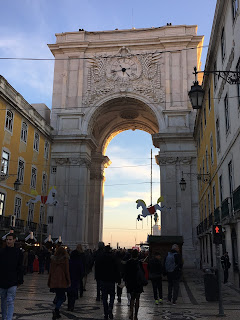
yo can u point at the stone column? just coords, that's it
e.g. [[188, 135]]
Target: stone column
[[97, 179]]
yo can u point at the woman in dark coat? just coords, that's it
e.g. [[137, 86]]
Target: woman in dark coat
[[134, 287], [59, 278], [76, 274]]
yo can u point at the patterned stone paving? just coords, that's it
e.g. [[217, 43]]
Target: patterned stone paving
[[34, 301]]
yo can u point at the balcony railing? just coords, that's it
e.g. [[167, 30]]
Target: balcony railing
[[225, 210], [236, 199], [217, 215], [205, 224], [43, 227], [31, 226], [19, 225], [5, 221], [210, 220]]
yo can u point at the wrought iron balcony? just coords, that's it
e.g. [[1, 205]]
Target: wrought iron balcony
[[5, 222], [19, 225], [225, 209], [217, 215], [42, 228], [31, 226], [236, 199]]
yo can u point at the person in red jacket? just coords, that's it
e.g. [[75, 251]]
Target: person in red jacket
[[11, 275]]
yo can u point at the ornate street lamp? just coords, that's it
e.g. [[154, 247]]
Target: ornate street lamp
[[17, 184], [196, 93], [183, 183]]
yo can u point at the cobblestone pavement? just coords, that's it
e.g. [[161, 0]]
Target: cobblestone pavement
[[34, 301]]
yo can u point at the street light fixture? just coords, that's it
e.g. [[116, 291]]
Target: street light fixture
[[17, 184], [204, 177], [196, 93]]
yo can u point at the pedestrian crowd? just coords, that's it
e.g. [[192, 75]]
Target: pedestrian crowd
[[68, 272]]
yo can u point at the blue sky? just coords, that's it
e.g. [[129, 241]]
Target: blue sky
[[27, 26]]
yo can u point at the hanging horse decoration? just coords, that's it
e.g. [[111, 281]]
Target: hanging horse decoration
[[49, 199], [147, 211]]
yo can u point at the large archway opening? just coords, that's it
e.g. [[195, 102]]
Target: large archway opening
[[128, 179], [131, 123]]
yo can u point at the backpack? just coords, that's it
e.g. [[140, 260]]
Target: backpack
[[170, 262], [141, 279]]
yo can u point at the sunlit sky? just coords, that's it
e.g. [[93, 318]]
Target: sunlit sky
[[27, 26]]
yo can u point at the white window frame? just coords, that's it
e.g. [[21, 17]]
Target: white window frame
[[5, 162], [33, 183], [214, 196], [44, 183], [223, 44], [234, 9], [41, 214], [2, 203], [36, 141], [211, 149], [218, 135], [9, 120], [21, 170], [221, 188], [17, 207], [24, 132], [46, 149], [226, 110], [30, 213]]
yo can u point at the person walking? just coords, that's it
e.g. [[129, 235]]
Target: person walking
[[59, 278], [11, 275], [173, 268], [226, 264], [108, 273], [76, 274], [97, 256], [155, 275], [133, 283], [83, 273], [41, 254]]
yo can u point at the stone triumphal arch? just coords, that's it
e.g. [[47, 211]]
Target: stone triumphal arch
[[110, 81]]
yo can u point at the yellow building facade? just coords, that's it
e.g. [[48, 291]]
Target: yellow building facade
[[25, 146], [205, 135]]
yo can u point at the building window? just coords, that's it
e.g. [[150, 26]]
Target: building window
[[215, 75], [227, 120], [46, 149], [20, 170], [24, 132], [2, 202], [36, 142], [4, 163], [218, 134], [209, 205], [209, 99], [41, 214], [9, 121], [234, 8], [221, 188], [214, 197], [223, 44], [230, 176], [44, 183], [207, 167], [238, 84], [50, 219], [54, 170], [211, 150], [33, 178], [204, 116], [30, 213], [17, 207]]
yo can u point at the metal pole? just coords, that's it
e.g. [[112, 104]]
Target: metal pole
[[220, 300], [151, 190]]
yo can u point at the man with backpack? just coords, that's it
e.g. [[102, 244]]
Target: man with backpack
[[173, 268]]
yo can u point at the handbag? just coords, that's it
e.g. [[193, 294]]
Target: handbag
[[141, 279]]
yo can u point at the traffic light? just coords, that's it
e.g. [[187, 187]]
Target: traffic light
[[217, 234]]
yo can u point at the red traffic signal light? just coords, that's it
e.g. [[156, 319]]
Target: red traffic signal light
[[217, 234]]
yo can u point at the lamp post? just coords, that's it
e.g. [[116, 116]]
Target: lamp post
[[17, 184], [205, 177]]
